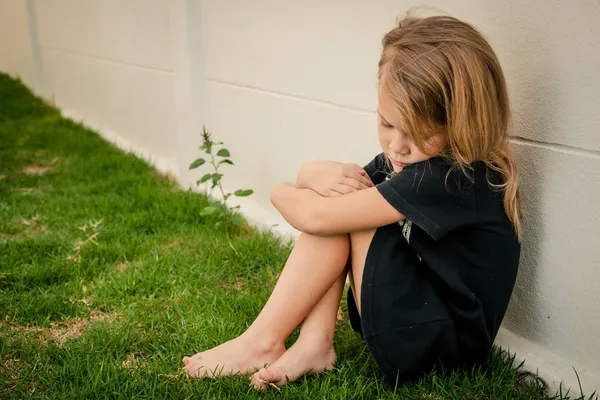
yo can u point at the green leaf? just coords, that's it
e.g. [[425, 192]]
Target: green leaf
[[237, 220], [234, 207], [218, 224], [197, 163], [207, 147], [209, 211], [243, 193], [203, 179], [226, 161], [216, 178], [223, 153]]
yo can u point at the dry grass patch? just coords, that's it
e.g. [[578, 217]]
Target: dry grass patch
[[35, 169], [59, 332], [33, 224], [25, 190], [39, 169], [133, 362], [123, 266], [25, 227], [238, 285], [10, 368]]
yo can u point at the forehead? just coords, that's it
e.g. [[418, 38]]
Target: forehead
[[386, 106]]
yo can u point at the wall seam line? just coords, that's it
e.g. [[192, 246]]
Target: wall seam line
[[291, 96], [562, 148], [105, 59]]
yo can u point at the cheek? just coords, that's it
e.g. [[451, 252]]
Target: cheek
[[436, 144], [384, 140]]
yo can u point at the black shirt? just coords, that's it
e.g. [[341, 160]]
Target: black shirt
[[457, 226]]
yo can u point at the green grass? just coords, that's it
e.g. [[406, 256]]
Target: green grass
[[112, 317]]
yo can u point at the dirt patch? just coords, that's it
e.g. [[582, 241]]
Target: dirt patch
[[10, 367], [177, 245], [39, 169], [126, 265], [123, 266], [25, 190], [6, 236], [238, 285], [25, 228], [133, 362], [35, 169], [62, 331], [33, 224]]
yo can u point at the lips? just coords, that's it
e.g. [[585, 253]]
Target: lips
[[398, 163]]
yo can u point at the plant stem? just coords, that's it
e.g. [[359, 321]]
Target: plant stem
[[212, 157], [225, 215]]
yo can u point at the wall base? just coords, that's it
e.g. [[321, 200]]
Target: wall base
[[556, 370]]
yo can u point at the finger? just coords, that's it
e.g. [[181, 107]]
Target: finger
[[354, 170], [353, 183], [350, 168], [365, 180]]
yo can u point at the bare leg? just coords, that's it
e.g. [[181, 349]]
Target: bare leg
[[312, 268], [313, 352], [360, 243]]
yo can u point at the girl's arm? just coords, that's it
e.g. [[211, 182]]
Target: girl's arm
[[308, 212]]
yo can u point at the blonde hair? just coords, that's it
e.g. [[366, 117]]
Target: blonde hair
[[441, 72]]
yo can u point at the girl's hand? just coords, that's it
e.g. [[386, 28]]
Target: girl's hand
[[329, 178]]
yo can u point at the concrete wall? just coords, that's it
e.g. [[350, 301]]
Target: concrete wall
[[283, 83], [16, 55]]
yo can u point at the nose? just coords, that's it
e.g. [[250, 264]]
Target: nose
[[400, 144]]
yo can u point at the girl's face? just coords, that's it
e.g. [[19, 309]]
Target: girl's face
[[394, 141]]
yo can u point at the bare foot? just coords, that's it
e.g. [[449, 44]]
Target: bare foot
[[305, 357], [237, 356]]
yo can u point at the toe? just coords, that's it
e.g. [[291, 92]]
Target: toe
[[192, 368], [186, 360], [265, 375], [272, 375], [257, 383]]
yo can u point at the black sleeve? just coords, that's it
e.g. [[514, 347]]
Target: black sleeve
[[433, 196], [376, 169]]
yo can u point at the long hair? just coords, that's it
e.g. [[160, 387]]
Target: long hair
[[441, 72]]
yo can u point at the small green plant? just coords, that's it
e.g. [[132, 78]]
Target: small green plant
[[216, 160]]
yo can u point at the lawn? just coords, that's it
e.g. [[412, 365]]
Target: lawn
[[109, 275]]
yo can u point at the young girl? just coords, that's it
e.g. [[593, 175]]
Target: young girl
[[428, 231]]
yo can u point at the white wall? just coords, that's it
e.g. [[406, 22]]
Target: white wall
[[16, 56], [283, 83]]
